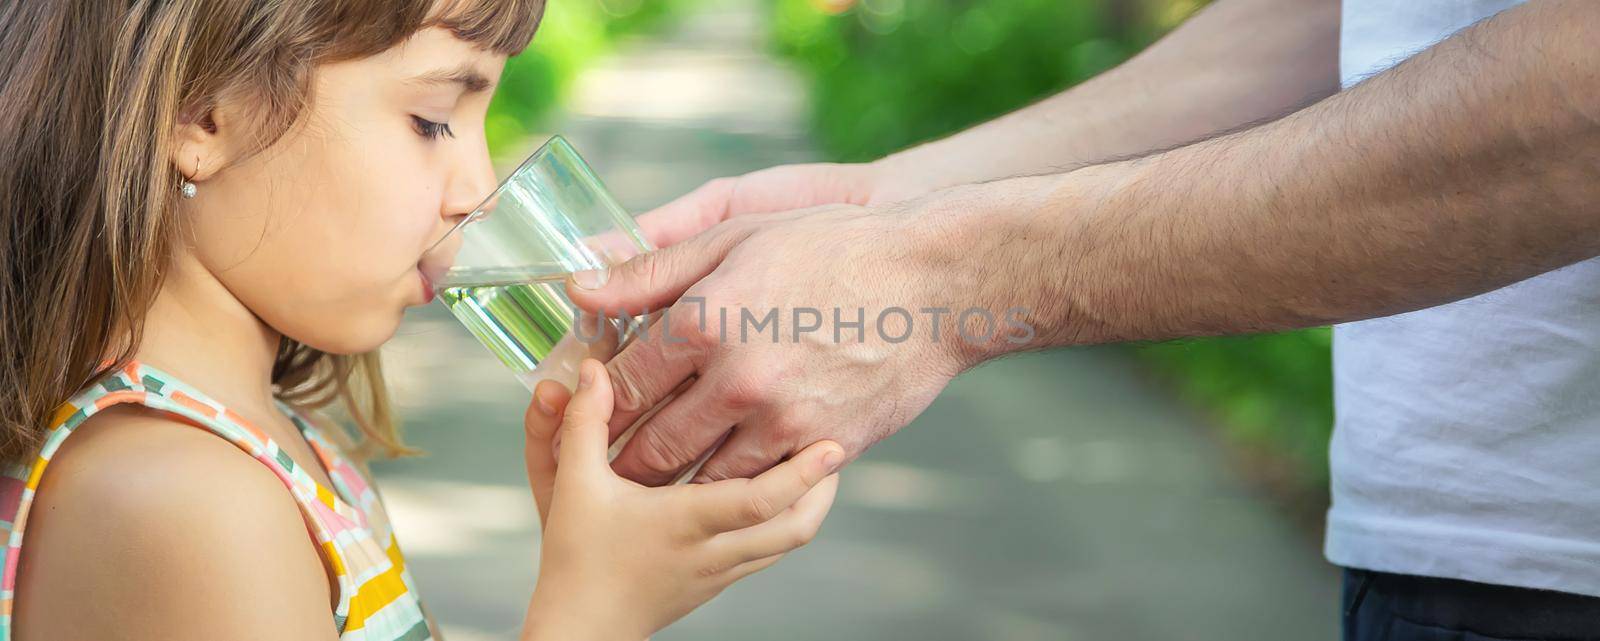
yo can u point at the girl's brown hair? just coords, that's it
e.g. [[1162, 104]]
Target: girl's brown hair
[[90, 93]]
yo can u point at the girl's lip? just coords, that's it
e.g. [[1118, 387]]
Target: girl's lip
[[427, 286]]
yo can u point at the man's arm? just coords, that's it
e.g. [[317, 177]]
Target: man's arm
[[1472, 166], [1237, 62], [1469, 167]]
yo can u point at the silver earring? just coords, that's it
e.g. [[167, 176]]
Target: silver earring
[[187, 188]]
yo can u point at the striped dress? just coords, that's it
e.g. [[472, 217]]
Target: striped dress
[[377, 598]]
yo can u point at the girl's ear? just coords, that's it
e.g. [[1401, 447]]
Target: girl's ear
[[199, 148]]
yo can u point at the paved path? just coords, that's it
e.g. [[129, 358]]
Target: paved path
[[1047, 496]]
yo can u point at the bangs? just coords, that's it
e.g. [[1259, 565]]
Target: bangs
[[501, 26]]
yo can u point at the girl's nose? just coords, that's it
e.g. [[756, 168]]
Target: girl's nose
[[472, 182]]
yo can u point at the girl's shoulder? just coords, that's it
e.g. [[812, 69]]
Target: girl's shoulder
[[132, 458], [136, 493]]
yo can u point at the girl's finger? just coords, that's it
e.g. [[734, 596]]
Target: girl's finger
[[540, 424], [784, 533], [747, 568], [735, 504], [583, 433]]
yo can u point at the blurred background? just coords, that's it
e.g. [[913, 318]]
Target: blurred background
[[1169, 492]]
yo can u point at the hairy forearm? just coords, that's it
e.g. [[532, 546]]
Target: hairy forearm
[[1237, 62], [1464, 169]]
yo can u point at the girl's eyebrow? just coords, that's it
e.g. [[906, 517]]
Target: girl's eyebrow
[[464, 75]]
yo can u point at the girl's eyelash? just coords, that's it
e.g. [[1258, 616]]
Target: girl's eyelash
[[430, 129]]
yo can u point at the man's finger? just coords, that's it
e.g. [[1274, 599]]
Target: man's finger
[[653, 366], [653, 280], [687, 215], [769, 190], [676, 436], [749, 451], [736, 503]]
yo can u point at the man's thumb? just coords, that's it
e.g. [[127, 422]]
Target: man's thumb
[[652, 280]]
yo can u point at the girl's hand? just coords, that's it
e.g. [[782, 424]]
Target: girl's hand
[[620, 560]]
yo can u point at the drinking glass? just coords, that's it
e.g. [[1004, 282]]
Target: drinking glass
[[502, 270]]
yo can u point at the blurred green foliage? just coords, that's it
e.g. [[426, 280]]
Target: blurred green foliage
[[1270, 392], [573, 34], [887, 74]]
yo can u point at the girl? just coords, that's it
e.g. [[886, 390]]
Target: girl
[[214, 213]]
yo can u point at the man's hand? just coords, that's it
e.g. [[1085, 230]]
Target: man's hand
[[1199, 80], [758, 325], [776, 189]]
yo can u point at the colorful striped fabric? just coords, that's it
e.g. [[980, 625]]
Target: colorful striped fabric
[[377, 599]]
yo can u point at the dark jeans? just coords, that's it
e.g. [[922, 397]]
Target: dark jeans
[[1398, 607]]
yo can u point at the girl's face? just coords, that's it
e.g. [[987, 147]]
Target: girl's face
[[321, 235]]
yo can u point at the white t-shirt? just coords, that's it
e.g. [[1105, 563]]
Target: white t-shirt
[[1467, 440]]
